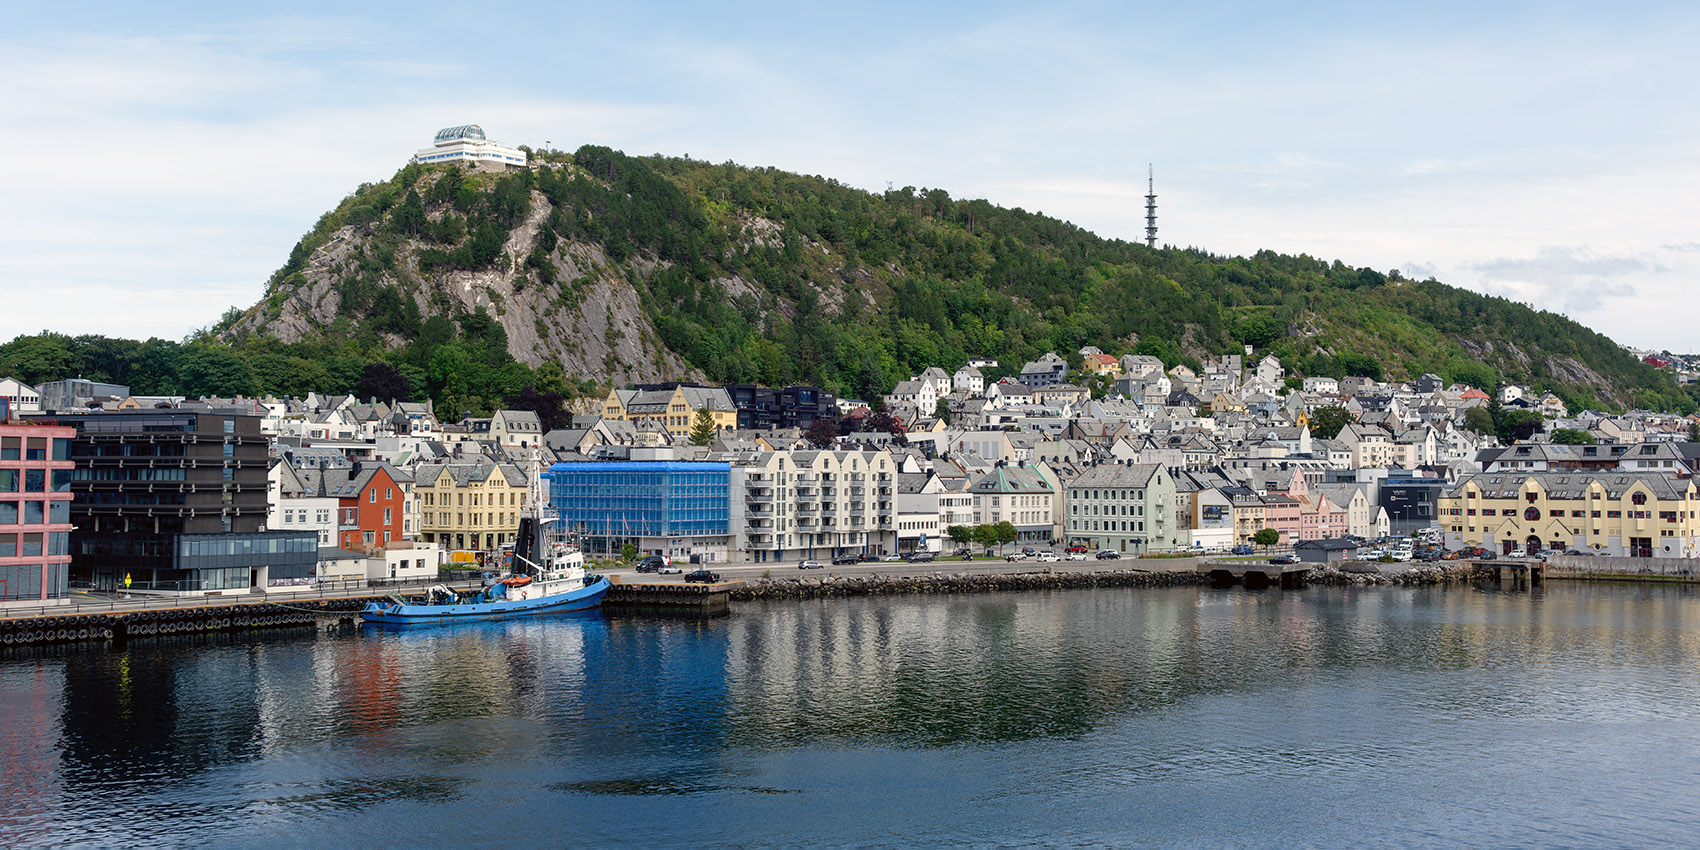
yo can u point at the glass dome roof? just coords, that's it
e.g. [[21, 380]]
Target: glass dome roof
[[455, 134]]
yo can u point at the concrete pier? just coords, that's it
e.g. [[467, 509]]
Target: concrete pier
[[1255, 575]]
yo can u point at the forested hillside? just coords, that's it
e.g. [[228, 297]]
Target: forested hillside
[[617, 268]]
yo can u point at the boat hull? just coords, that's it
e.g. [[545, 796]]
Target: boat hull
[[581, 599]]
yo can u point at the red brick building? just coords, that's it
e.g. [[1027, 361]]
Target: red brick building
[[35, 510]]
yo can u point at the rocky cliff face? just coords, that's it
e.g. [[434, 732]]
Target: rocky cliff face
[[589, 320]]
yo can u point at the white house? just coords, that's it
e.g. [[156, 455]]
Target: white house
[[970, 380], [919, 393], [1322, 386], [23, 398]]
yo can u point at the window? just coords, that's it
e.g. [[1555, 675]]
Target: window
[[35, 481], [389, 493], [1638, 499], [372, 495]]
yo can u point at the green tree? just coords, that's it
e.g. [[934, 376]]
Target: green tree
[[1514, 425], [1326, 422], [628, 552], [1572, 437], [961, 535], [1266, 537], [1693, 432], [703, 428], [987, 536], [1005, 533], [1479, 420]]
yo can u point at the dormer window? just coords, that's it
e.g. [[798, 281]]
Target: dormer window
[[1638, 499]]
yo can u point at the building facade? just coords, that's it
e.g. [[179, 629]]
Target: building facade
[[680, 509], [1124, 507], [470, 506], [799, 505], [1641, 515], [35, 510], [175, 501], [1019, 495], [764, 408], [466, 145]]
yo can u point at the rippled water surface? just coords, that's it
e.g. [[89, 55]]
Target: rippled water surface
[[1177, 717]]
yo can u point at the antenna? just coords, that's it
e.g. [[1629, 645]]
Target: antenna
[[1150, 207]]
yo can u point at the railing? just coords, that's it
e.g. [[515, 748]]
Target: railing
[[119, 602]]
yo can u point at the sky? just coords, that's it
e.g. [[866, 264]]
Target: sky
[[166, 157]]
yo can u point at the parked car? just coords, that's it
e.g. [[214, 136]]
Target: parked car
[[846, 560], [702, 576], [1016, 556], [1029, 551], [651, 564], [1049, 557], [891, 557], [1072, 555], [1243, 549], [1284, 559], [811, 565], [962, 550], [921, 558], [1108, 554], [1080, 550], [668, 570]]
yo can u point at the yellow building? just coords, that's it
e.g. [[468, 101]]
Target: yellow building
[[1642, 515], [472, 505], [674, 409]]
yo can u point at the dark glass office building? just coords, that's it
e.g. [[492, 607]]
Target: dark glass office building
[[176, 500], [765, 408]]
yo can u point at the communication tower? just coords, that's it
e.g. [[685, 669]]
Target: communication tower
[[1150, 207]]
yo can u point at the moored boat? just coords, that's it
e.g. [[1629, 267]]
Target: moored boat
[[555, 582]]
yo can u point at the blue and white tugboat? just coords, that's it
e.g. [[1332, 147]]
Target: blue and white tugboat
[[559, 583]]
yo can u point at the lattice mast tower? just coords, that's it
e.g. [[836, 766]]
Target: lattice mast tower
[[1150, 207]]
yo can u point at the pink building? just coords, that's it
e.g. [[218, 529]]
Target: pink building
[[1281, 512], [1319, 518], [35, 510]]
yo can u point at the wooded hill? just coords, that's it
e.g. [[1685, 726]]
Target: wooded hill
[[620, 268]]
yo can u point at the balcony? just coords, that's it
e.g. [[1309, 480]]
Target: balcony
[[805, 522], [759, 508], [828, 507], [806, 508], [758, 500]]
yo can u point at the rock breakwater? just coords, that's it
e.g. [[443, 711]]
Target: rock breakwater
[[1368, 574], [878, 585]]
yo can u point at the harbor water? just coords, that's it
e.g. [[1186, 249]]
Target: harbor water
[[1454, 716]]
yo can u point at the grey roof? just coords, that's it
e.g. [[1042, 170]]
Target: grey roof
[[1117, 475]]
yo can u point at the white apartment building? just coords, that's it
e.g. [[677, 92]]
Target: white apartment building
[[796, 505]]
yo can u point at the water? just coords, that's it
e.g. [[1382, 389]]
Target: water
[[1179, 717]]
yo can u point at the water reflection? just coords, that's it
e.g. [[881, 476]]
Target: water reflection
[[1131, 689]]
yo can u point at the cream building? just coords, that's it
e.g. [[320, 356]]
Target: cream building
[[1641, 515], [471, 505]]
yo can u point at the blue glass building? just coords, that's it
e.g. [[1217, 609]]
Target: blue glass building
[[675, 508]]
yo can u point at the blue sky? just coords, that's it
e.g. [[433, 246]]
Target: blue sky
[[1544, 152]]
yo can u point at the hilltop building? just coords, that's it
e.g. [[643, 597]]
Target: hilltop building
[[466, 145]]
